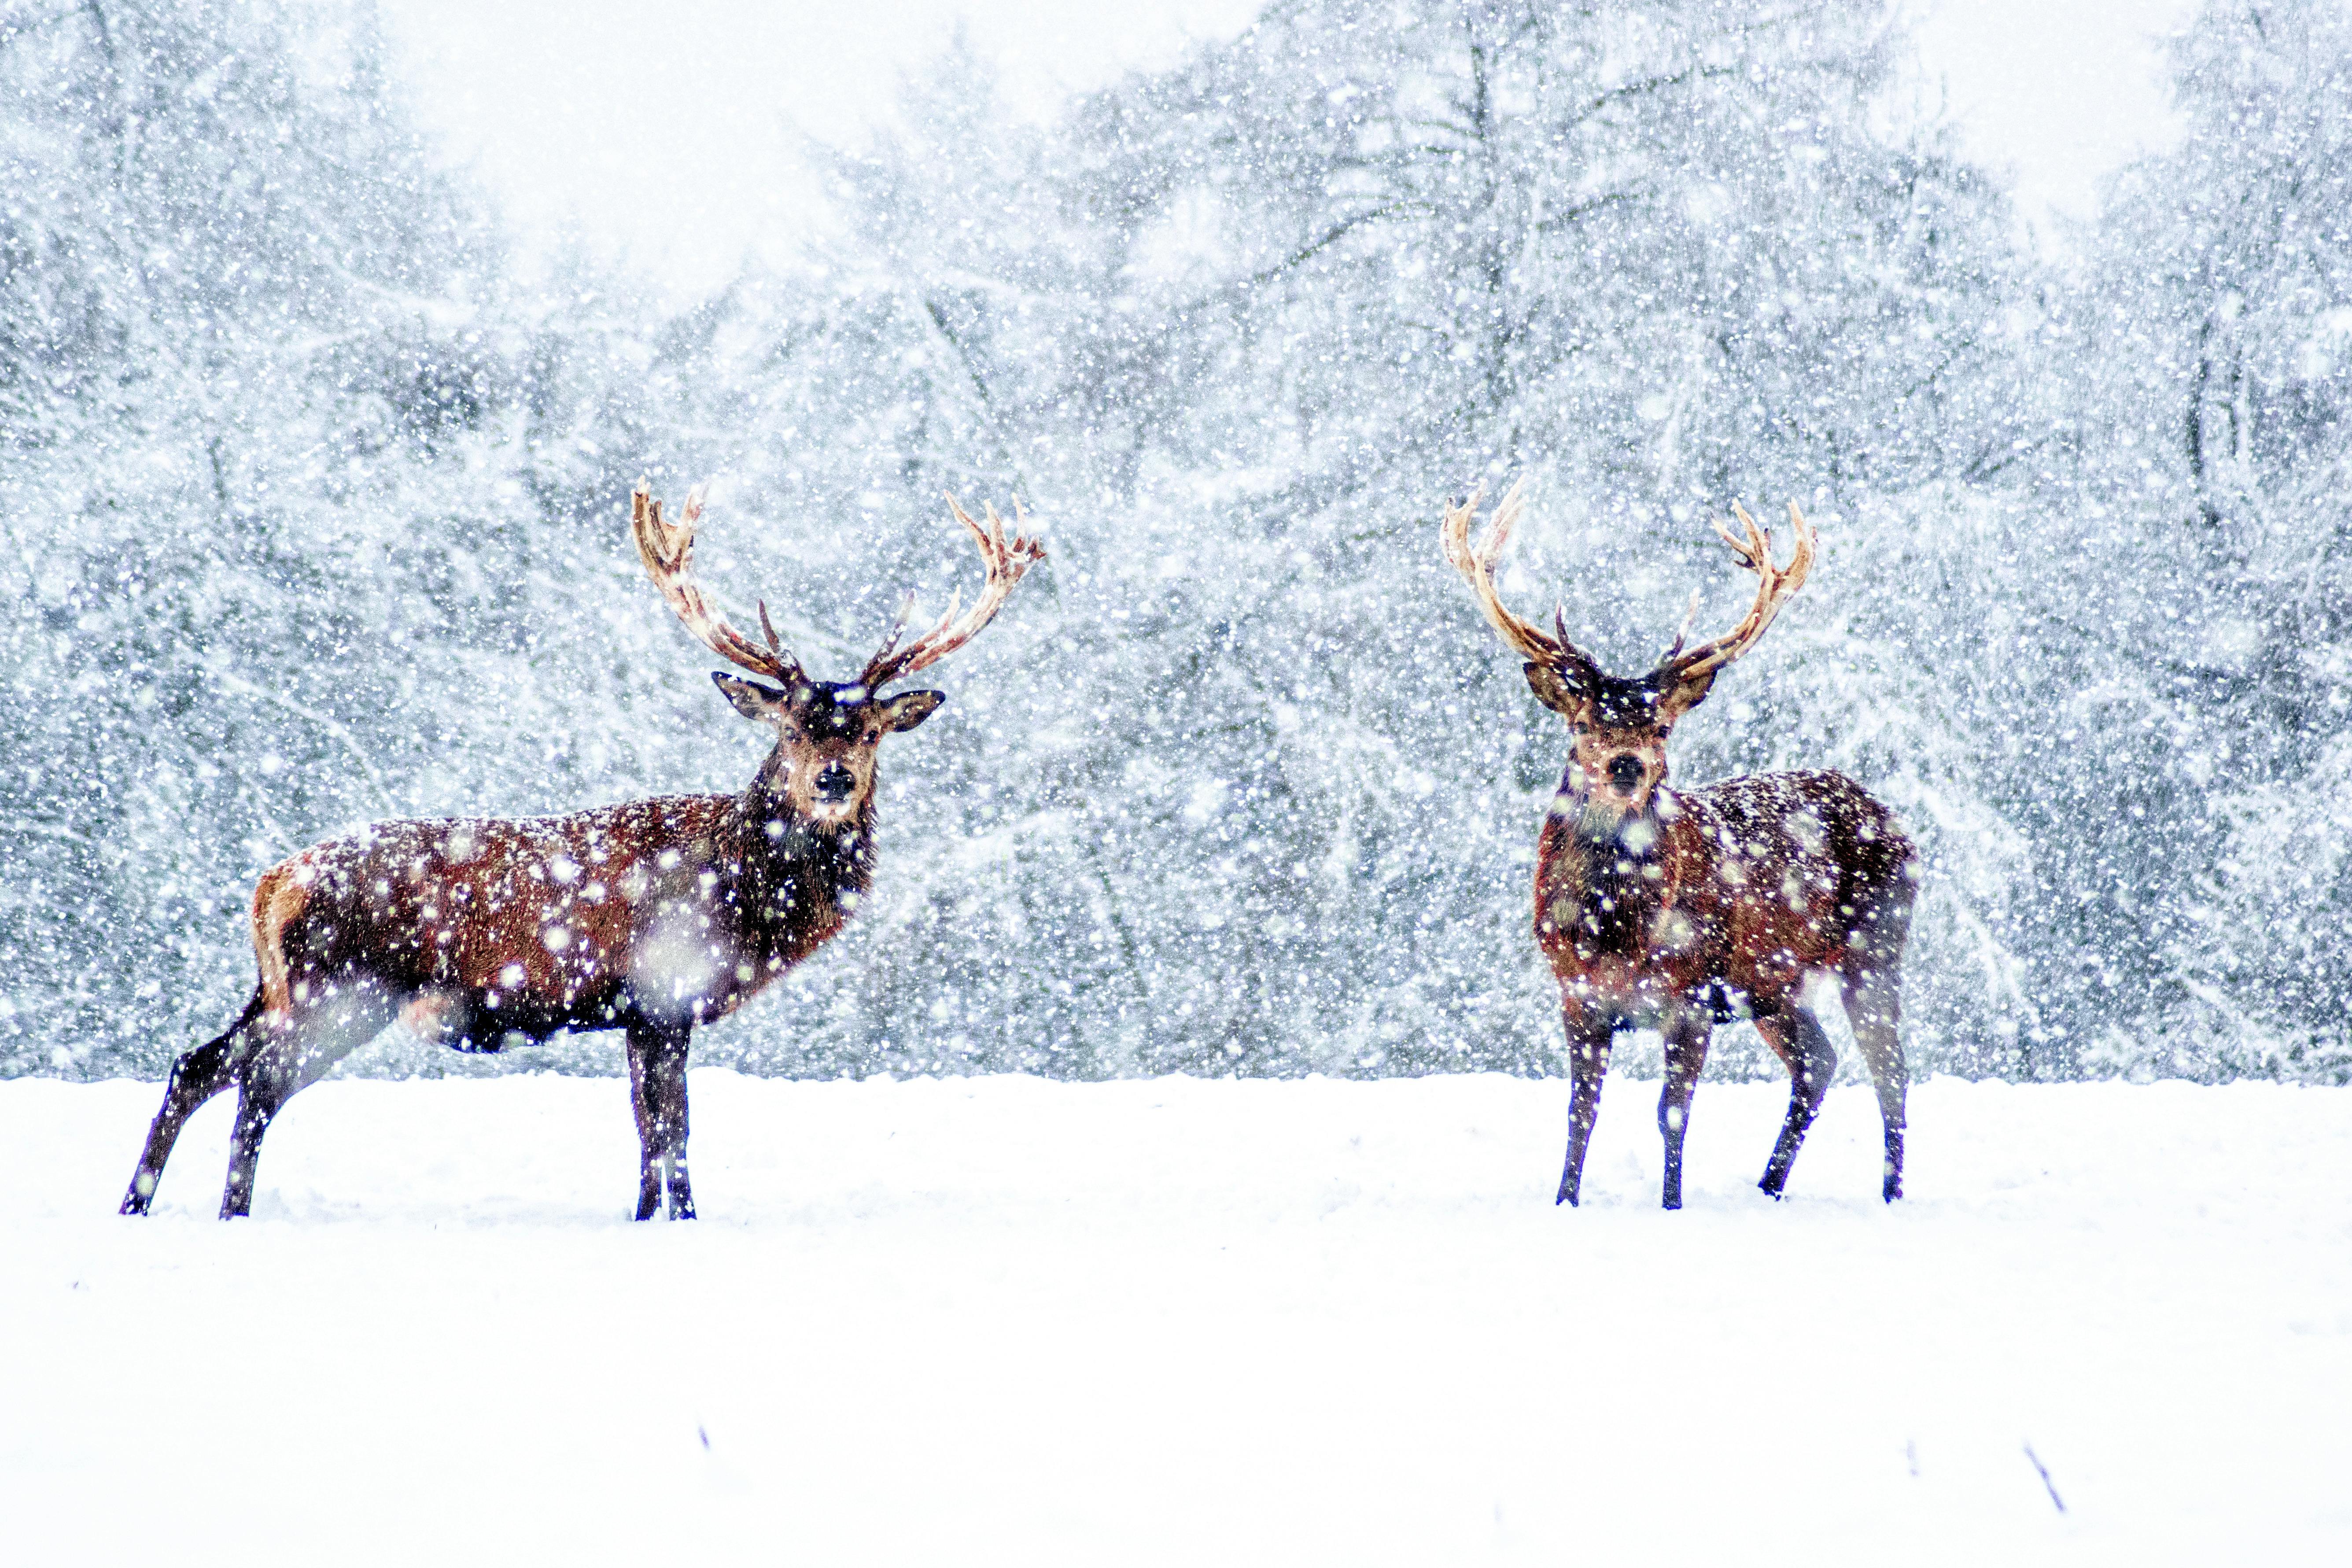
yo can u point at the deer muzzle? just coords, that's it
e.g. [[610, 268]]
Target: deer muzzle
[[834, 784]]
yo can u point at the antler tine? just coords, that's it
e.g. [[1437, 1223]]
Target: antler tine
[[940, 628], [1005, 561], [666, 549], [996, 526], [1774, 587], [890, 640], [1477, 564], [1682, 634], [1506, 519], [1757, 547]]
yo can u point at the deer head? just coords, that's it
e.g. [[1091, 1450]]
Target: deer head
[[1618, 758], [826, 732]]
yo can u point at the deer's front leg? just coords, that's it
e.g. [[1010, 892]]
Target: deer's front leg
[[1588, 1060], [658, 1083], [1688, 1034]]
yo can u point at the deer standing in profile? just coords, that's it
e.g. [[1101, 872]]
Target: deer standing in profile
[[652, 917], [1666, 910]]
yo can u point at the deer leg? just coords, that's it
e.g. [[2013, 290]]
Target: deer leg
[[293, 1056], [196, 1077], [1796, 1038], [1588, 1061], [1688, 1034], [657, 1084], [257, 1100], [1874, 1006]]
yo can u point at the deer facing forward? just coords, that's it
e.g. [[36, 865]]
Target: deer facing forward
[[1674, 910], [652, 917]]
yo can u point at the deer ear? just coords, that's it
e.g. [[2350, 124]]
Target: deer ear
[[1553, 691], [1682, 696], [752, 700], [909, 709]]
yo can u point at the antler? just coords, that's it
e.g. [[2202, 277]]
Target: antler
[[1774, 587], [667, 551], [1477, 564], [1005, 561]]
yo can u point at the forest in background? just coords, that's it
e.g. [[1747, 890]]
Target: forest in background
[[314, 512]]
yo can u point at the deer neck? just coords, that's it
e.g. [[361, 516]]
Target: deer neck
[[795, 872], [1604, 882]]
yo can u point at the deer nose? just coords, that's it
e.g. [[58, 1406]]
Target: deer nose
[[1625, 772], [834, 782]]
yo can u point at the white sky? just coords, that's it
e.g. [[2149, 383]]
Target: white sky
[[2060, 91], [671, 131]]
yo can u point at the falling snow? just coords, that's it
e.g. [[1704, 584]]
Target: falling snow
[[315, 495], [315, 520]]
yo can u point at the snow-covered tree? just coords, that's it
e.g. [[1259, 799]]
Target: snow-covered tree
[[1259, 795], [2215, 433], [270, 570], [313, 518]]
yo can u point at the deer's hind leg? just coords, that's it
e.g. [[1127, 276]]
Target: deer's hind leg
[[1874, 1006], [296, 1050], [1796, 1038], [197, 1077], [1873, 988]]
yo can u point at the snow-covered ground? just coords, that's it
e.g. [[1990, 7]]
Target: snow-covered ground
[[1180, 1322]]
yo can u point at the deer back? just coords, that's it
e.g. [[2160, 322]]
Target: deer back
[[677, 904]]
